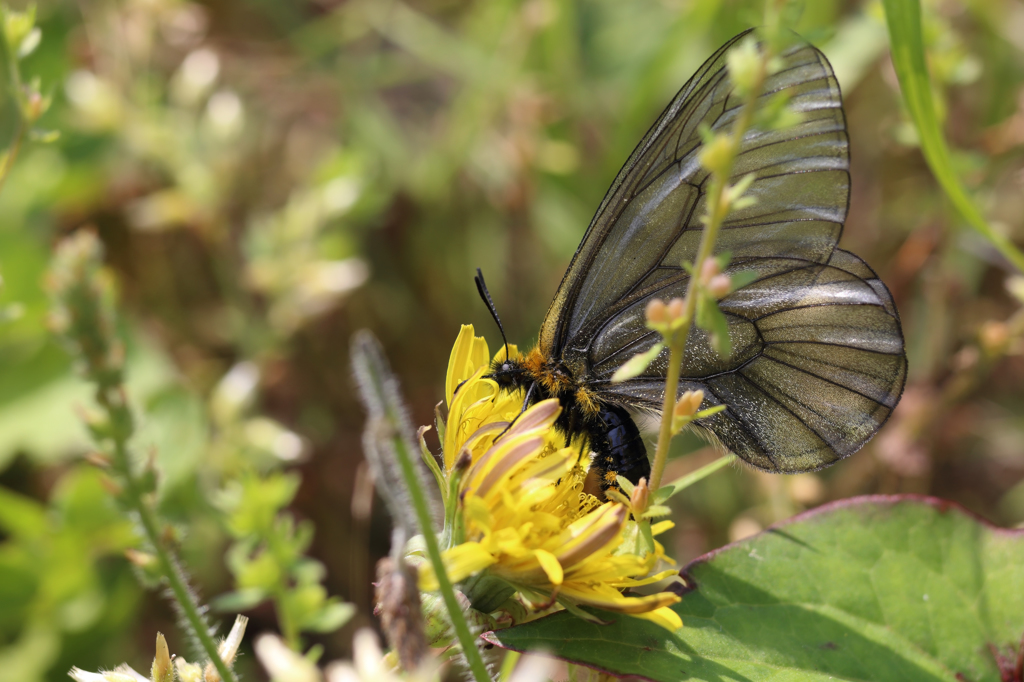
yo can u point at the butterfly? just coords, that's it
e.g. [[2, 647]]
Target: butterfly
[[817, 361]]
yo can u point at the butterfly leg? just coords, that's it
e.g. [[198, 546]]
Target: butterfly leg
[[526, 404]]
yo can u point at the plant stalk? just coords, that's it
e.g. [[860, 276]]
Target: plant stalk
[[169, 567], [458, 618], [19, 96], [718, 209], [12, 153]]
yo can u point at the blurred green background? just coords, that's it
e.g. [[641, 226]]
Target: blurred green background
[[269, 176]]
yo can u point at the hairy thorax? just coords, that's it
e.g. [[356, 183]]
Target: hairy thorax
[[552, 380]]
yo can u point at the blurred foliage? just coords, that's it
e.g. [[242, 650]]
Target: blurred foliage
[[269, 176]]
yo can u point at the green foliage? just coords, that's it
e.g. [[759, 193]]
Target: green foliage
[[19, 38], [268, 558], [56, 589], [908, 56], [84, 317], [413, 142], [390, 450], [871, 589]]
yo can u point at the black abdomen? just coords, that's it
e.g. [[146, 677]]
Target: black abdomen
[[619, 449]]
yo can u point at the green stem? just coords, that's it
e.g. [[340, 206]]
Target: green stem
[[717, 211], [675, 363], [289, 629], [458, 618], [169, 566], [19, 96], [12, 154], [508, 665]]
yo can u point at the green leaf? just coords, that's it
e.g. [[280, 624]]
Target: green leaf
[[330, 618], [743, 278], [711, 319], [656, 510], [887, 589], [637, 364], [666, 491], [21, 516], [239, 600], [907, 44]]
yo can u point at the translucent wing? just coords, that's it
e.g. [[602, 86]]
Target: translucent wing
[[789, 409], [816, 368]]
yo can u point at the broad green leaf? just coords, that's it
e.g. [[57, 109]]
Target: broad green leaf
[[887, 589], [907, 44]]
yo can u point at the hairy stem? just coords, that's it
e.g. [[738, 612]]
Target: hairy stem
[[458, 618], [169, 566]]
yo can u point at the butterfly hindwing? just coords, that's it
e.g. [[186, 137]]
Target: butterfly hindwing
[[820, 368]]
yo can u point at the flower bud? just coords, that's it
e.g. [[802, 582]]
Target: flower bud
[[187, 672], [720, 285], [637, 364], [227, 649], [744, 64], [1015, 285], [142, 560], [638, 500], [994, 337], [162, 670], [688, 403], [83, 310], [709, 269], [717, 153], [676, 307], [656, 311], [36, 105], [398, 601]]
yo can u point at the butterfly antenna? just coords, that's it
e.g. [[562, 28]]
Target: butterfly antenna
[[486, 296]]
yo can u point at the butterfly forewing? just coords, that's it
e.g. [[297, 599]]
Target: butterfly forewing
[[816, 363]]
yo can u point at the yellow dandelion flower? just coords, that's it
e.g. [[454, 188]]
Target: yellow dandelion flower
[[525, 518]]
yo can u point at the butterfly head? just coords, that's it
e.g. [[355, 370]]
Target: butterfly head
[[510, 374]]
